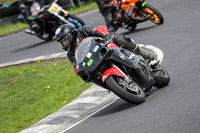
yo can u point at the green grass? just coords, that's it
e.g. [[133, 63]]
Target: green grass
[[7, 1], [10, 28], [13, 28], [83, 8], [29, 92]]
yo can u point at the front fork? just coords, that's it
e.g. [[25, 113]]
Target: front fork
[[138, 8], [64, 19]]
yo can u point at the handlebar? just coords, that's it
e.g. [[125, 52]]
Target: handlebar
[[44, 7], [47, 6], [55, 1]]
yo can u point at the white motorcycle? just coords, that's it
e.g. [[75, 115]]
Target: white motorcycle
[[49, 18]]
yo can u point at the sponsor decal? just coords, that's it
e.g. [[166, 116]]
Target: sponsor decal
[[83, 64], [96, 48], [77, 66], [89, 54], [103, 78], [90, 62], [122, 56]]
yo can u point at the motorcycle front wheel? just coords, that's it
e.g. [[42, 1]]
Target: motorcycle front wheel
[[154, 15], [130, 92]]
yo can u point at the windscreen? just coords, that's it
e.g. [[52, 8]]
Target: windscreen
[[82, 49]]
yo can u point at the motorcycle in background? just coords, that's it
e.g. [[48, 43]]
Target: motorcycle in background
[[49, 18], [128, 13]]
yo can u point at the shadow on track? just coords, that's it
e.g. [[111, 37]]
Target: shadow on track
[[118, 106], [121, 105], [138, 30], [30, 46]]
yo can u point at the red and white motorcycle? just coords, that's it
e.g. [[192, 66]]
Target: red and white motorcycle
[[126, 74]]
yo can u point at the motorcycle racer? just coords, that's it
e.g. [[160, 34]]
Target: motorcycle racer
[[105, 7], [69, 38], [25, 8]]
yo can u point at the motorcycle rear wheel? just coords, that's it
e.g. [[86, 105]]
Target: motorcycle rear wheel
[[155, 16], [112, 82], [161, 77], [47, 38], [133, 27], [79, 20]]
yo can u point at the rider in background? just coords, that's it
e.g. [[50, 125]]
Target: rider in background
[[69, 38], [26, 9], [105, 7]]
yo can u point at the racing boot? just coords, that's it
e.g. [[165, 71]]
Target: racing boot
[[147, 55], [34, 29], [144, 53], [29, 31]]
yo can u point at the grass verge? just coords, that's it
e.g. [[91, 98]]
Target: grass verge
[[7, 1], [10, 28], [13, 28], [30, 92]]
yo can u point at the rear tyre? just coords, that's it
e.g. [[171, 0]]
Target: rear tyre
[[134, 95], [78, 22], [133, 27], [47, 37], [161, 77], [155, 16]]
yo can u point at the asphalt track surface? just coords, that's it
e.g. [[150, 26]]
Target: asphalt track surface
[[173, 109]]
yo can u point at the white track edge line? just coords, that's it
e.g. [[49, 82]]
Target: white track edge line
[[89, 116]]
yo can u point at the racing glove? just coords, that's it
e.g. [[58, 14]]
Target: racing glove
[[105, 41]]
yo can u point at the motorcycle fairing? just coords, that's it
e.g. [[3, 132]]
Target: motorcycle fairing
[[112, 71], [112, 45], [102, 29], [144, 74], [91, 60], [138, 67], [95, 57]]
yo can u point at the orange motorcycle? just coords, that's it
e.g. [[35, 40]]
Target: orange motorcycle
[[128, 13]]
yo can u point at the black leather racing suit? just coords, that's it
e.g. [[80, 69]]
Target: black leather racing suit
[[25, 9], [99, 31], [106, 11]]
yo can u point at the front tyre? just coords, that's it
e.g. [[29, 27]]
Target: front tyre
[[154, 15], [78, 22], [131, 92], [132, 27]]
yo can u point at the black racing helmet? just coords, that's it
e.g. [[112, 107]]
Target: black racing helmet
[[66, 35]]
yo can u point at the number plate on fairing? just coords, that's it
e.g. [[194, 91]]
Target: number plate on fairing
[[54, 8]]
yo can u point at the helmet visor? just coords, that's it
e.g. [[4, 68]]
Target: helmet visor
[[65, 42]]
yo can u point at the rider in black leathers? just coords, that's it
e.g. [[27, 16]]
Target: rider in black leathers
[[105, 8], [69, 38], [25, 8]]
